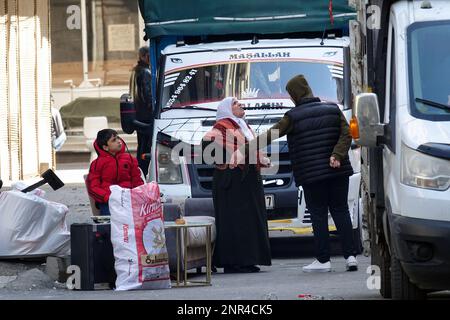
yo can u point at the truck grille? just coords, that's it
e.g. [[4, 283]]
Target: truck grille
[[281, 185], [282, 179], [281, 213], [307, 216]]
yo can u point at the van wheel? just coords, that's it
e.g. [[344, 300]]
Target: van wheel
[[402, 288]]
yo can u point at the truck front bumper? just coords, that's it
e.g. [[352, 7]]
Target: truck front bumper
[[422, 246]]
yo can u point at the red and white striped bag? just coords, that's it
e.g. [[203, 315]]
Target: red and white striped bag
[[138, 238]]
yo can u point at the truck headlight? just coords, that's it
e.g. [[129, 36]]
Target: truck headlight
[[424, 171], [168, 169], [355, 158]]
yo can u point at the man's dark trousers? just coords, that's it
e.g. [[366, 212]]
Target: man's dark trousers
[[144, 146], [330, 194]]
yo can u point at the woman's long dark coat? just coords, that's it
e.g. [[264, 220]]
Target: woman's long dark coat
[[241, 219]]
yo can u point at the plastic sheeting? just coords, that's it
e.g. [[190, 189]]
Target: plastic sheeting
[[201, 17], [31, 226]]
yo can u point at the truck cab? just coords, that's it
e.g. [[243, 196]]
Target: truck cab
[[195, 78], [203, 54], [404, 126]]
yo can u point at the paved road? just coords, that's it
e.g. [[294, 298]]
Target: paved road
[[283, 280]]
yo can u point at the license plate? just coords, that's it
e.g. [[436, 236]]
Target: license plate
[[270, 201]]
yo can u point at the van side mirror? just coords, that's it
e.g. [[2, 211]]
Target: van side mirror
[[367, 116]]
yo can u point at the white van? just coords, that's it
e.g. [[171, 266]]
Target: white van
[[404, 127]]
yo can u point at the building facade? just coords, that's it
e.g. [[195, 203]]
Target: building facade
[[25, 82], [94, 47]]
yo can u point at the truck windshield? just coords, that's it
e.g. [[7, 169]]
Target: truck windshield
[[429, 70], [263, 81]]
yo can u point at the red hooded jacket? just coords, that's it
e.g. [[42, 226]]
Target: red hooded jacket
[[107, 170]]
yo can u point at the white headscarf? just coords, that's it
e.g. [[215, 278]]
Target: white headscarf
[[224, 111]]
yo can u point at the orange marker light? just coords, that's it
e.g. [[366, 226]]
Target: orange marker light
[[354, 128]]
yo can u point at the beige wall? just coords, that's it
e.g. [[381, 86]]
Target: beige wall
[[111, 54], [25, 78]]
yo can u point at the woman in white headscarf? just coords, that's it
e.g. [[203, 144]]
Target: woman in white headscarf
[[242, 241]]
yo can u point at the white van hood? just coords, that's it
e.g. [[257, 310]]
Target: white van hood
[[418, 132]]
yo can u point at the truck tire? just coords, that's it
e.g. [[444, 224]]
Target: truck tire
[[385, 269], [358, 246], [357, 233], [402, 288], [381, 259]]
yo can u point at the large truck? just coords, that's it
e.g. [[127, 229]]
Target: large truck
[[204, 51], [401, 81]]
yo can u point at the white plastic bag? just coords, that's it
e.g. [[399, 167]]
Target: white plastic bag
[[32, 226], [20, 185], [138, 238]]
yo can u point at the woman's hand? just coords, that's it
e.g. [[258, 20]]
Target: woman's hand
[[265, 162], [237, 158]]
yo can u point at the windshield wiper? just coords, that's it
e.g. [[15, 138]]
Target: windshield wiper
[[187, 108], [434, 104]]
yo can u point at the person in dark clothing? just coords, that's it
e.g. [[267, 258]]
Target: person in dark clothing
[[318, 139], [141, 92], [242, 240]]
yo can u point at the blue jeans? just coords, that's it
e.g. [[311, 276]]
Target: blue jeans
[[104, 209]]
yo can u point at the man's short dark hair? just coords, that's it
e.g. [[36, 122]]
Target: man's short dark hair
[[104, 135], [143, 51]]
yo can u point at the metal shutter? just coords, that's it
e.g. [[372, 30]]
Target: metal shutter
[[13, 92], [46, 152], [4, 155], [27, 88], [25, 75]]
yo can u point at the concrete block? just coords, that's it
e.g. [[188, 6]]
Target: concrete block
[[56, 268]]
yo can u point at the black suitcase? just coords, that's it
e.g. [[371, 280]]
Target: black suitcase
[[92, 251]]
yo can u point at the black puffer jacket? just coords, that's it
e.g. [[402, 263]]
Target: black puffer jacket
[[316, 130]]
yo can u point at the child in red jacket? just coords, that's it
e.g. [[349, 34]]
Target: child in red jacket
[[113, 166]]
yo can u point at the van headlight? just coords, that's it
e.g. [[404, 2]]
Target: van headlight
[[168, 168], [424, 171]]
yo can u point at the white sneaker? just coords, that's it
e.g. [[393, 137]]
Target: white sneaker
[[316, 266], [351, 264]]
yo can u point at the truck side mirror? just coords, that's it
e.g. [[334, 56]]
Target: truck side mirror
[[128, 117], [365, 125], [127, 113]]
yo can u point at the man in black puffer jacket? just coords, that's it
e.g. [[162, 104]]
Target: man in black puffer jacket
[[318, 139]]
